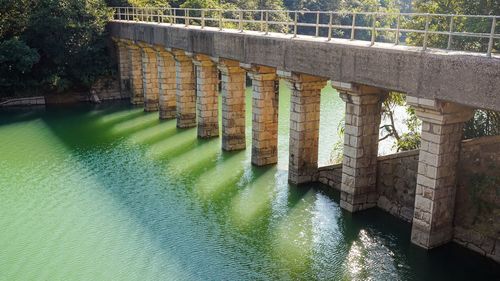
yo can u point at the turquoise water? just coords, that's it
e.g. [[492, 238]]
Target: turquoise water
[[109, 192]]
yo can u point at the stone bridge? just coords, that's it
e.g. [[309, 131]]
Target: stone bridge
[[175, 69]]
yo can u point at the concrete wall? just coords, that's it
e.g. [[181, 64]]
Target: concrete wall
[[477, 209], [464, 78]]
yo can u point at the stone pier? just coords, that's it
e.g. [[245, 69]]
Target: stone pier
[[361, 134], [186, 90], [207, 96], [136, 86], [265, 99], [167, 83], [304, 125], [233, 104], [123, 66], [442, 129], [150, 84]]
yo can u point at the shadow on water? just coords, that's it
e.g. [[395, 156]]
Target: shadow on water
[[240, 205]]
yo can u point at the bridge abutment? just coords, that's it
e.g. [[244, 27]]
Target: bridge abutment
[[135, 66], [304, 125], [265, 100], [166, 83], [233, 79], [150, 84], [186, 90], [442, 129], [361, 134], [123, 66], [207, 96]]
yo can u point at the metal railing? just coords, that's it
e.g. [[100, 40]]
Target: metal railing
[[424, 30]]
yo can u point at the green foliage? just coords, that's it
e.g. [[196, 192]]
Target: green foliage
[[484, 123], [460, 7], [16, 61], [70, 41]]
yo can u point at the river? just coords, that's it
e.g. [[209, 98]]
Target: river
[[108, 192]]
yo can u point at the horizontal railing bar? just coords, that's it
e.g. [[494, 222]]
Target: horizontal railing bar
[[260, 20], [315, 12]]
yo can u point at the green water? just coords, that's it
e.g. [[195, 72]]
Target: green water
[[111, 193]]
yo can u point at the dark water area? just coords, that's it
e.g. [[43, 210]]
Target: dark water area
[[109, 192]]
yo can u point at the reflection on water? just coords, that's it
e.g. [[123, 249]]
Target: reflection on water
[[112, 193]]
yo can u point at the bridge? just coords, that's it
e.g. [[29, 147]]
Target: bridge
[[170, 61]]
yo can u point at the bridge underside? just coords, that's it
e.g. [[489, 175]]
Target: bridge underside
[[176, 69]]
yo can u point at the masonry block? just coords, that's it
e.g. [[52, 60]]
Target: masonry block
[[359, 169], [185, 90], [442, 125], [207, 97], [233, 104]]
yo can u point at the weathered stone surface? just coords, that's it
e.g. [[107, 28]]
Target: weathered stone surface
[[123, 66], [136, 84], [265, 87], [442, 126], [167, 83], [150, 84], [186, 90], [233, 104], [304, 126], [359, 168], [477, 209], [207, 96]]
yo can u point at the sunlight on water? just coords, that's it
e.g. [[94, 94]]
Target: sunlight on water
[[254, 200], [173, 144], [110, 192], [156, 133]]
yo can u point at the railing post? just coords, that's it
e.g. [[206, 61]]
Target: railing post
[[353, 27], [317, 24], [118, 13], [202, 19], [398, 27], [240, 20], [374, 29], [261, 21], [267, 22], [492, 37], [450, 34], [330, 26], [158, 15], [186, 17], [173, 14], [426, 34], [295, 26], [220, 20]]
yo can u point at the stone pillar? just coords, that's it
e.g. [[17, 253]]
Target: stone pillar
[[233, 104], [207, 96], [123, 67], [442, 129], [304, 126], [186, 92], [167, 83], [150, 84], [136, 86], [361, 135], [265, 85]]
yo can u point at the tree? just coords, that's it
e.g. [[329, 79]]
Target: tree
[[16, 61], [68, 37]]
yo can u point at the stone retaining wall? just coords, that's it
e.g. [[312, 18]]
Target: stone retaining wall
[[29, 101], [477, 208]]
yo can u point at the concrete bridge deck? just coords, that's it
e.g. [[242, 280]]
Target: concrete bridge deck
[[466, 78]]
